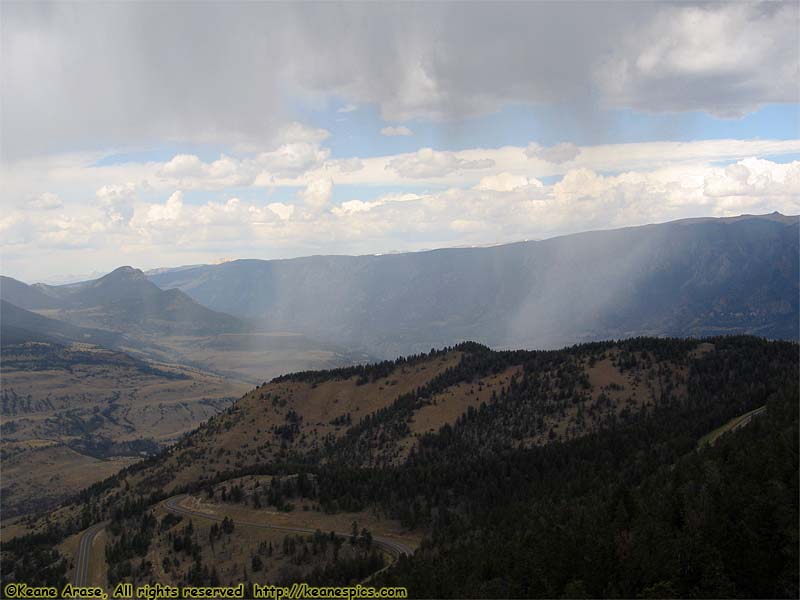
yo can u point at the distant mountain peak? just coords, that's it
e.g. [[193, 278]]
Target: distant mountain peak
[[127, 272], [121, 283]]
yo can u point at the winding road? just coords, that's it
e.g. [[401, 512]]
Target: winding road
[[745, 419], [392, 546], [84, 552]]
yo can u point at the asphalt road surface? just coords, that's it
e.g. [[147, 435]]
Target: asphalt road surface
[[392, 546], [748, 417], [84, 553]]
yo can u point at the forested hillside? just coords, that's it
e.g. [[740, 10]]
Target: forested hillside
[[570, 473], [632, 511]]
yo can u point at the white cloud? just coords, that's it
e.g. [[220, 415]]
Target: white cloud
[[45, 201], [183, 165], [347, 108], [401, 130], [292, 159], [348, 165], [298, 132], [317, 193], [117, 202], [298, 152], [726, 59], [504, 182], [162, 215], [446, 168], [284, 211], [149, 214], [500, 209], [15, 229], [560, 153], [754, 178], [359, 206], [432, 163], [656, 181], [355, 206], [187, 170], [73, 177]]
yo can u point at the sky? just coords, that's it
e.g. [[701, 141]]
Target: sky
[[164, 134]]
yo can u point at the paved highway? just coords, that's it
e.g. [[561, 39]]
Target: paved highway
[[392, 546], [748, 417], [84, 553]]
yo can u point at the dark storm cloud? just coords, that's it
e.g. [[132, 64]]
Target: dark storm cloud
[[94, 75]]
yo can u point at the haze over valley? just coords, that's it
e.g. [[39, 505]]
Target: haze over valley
[[117, 367], [401, 300], [697, 277]]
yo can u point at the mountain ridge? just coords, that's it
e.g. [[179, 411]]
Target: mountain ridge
[[689, 277], [18, 325], [124, 301]]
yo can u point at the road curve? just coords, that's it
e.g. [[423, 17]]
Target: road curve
[[84, 553], [172, 504], [748, 417]]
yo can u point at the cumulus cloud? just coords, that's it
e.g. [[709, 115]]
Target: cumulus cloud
[[348, 165], [582, 199], [467, 167], [292, 159], [190, 171], [500, 209], [161, 215], [296, 132], [427, 162], [656, 181], [317, 193], [360, 206], [560, 153], [299, 151], [504, 182], [45, 201], [117, 202], [465, 225], [355, 206], [284, 211], [754, 178], [183, 165], [401, 130]]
